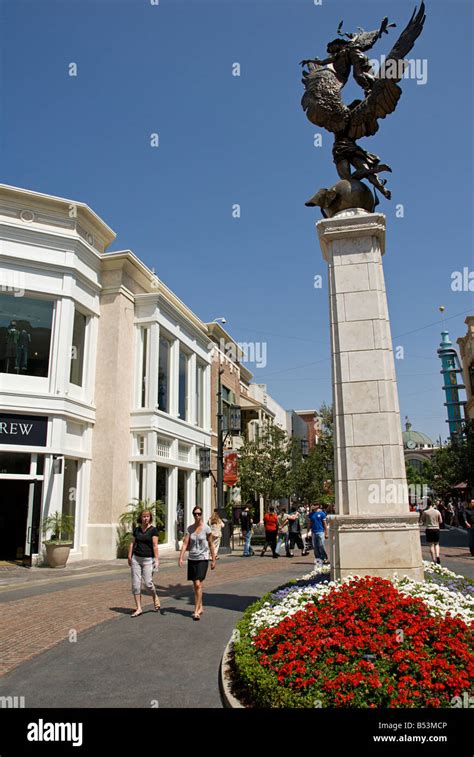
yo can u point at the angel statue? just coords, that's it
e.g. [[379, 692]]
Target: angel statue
[[323, 105]]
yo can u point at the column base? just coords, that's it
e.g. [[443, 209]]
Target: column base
[[373, 545]]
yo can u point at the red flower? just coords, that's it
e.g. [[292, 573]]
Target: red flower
[[324, 644]]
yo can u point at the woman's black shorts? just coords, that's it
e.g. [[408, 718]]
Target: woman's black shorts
[[197, 570], [432, 535]]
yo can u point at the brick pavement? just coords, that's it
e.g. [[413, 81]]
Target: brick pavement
[[31, 625]]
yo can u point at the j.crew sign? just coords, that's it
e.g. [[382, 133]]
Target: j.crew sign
[[28, 430]]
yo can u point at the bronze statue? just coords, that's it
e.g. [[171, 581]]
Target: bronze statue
[[323, 104]]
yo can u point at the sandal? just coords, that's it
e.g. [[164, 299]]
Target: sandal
[[136, 613], [157, 604], [196, 617]]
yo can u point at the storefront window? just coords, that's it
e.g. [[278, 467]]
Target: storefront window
[[25, 335], [77, 350], [183, 385], [200, 394], [13, 462], [416, 464], [227, 400], [162, 492], [163, 375], [71, 468], [144, 338]]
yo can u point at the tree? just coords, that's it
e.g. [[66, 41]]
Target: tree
[[265, 466], [414, 476], [453, 463], [313, 476]]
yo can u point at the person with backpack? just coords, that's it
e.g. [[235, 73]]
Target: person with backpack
[[294, 532], [283, 532]]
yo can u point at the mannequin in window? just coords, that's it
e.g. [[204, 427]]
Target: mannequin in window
[[11, 346], [23, 346]]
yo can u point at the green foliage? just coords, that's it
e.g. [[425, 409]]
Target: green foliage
[[251, 676], [124, 537], [61, 527], [273, 467], [453, 463], [414, 477], [129, 521], [265, 466], [313, 476]]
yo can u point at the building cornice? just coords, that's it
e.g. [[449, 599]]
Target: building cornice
[[363, 225], [39, 208]]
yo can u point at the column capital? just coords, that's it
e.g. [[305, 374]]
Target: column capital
[[350, 224]]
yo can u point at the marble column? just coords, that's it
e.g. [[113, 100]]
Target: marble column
[[373, 531]]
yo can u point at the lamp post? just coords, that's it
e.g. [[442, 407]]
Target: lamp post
[[225, 547], [233, 426]]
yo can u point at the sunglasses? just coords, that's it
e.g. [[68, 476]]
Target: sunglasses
[[196, 515]]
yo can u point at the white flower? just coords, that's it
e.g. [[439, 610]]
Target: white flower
[[439, 599]]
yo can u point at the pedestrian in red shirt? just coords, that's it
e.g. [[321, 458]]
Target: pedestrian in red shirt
[[270, 522]]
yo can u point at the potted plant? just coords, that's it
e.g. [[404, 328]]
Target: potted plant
[[60, 541], [129, 520]]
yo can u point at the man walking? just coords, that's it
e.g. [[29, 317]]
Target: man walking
[[246, 524], [431, 518], [282, 531], [294, 535], [470, 526], [319, 532]]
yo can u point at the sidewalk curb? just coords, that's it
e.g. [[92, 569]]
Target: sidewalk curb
[[228, 699]]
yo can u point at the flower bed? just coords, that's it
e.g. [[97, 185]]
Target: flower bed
[[363, 642]]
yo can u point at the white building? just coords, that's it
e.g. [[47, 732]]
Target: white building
[[104, 381], [259, 393]]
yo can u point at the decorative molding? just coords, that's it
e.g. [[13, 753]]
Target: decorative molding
[[369, 522], [27, 216], [369, 224]]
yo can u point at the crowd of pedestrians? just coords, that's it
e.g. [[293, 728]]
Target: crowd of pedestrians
[[303, 527], [438, 513]]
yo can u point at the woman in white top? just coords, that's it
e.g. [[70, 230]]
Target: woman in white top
[[216, 525], [200, 543]]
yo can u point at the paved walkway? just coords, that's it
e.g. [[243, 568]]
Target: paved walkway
[[129, 662], [78, 625]]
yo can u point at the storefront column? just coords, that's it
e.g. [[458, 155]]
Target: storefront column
[[192, 404], [174, 378], [153, 359], [191, 498], [172, 505]]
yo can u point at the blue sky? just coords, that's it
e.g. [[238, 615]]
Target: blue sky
[[226, 140]]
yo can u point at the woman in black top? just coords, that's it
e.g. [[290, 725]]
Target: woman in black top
[[143, 558]]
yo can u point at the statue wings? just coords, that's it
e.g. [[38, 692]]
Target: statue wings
[[385, 93], [322, 99]]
